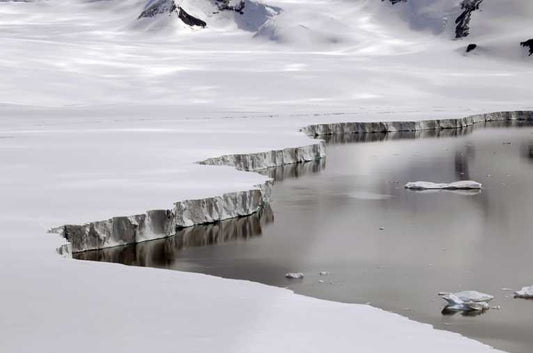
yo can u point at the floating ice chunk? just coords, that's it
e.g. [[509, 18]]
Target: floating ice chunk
[[525, 292], [470, 296], [467, 300], [294, 275], [457, 185], [324, 273]]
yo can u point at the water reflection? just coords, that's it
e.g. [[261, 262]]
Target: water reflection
[[391, 136], [381, 243], [163, 253], [526, 151], [292, 171], [402, 135], [450, 311]]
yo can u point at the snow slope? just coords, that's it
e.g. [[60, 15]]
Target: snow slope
[[104, 115]]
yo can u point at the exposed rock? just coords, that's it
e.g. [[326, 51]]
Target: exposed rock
[[394, 2], [463, 21], [158, 7], [190, 20], [471, 47], [528, 44], [231, 5]]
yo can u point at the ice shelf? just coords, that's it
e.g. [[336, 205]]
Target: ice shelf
[[155, 224]]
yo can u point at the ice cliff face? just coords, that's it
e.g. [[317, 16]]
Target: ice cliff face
[[156, 224]]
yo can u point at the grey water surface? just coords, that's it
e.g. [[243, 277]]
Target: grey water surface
[[381, 244]]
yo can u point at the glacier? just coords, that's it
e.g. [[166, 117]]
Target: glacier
[[105, 116]]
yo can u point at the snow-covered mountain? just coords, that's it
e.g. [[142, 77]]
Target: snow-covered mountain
[[107, 105], [483, 20], [251, 48], [248, 15]]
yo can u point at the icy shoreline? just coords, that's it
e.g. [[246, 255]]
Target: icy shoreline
[[156, 224], [397, 126]]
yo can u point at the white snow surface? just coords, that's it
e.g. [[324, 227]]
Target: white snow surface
[[102, 115], [456, 185]]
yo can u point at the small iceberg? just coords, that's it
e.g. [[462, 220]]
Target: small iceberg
[[294, 275], [525, 292], [457, 185], [466, 301]]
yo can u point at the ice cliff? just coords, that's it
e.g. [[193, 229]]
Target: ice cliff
[[162, 223], [155, 224]]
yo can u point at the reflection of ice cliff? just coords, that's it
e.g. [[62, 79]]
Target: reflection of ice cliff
[[158, 253]]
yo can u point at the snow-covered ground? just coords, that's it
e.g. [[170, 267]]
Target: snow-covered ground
[[102, 115]]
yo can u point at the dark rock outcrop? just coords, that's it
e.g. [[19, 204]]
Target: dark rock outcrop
[[394, 2], [227, 5], [462, 22], [160, 7], [471, 47], [528, 44], [190, 20]]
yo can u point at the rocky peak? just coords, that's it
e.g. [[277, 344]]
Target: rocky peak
[[230, 5], [528, 44], [462, 22], [159, 7]]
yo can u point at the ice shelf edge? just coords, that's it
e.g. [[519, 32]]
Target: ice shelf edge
[[156, 224]]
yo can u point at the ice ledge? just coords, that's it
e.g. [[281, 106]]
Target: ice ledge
[[156, 224], [271, 159], [396, 126]]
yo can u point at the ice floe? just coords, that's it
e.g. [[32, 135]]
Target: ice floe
[[525, 292], [467, 301], [294, 275]]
